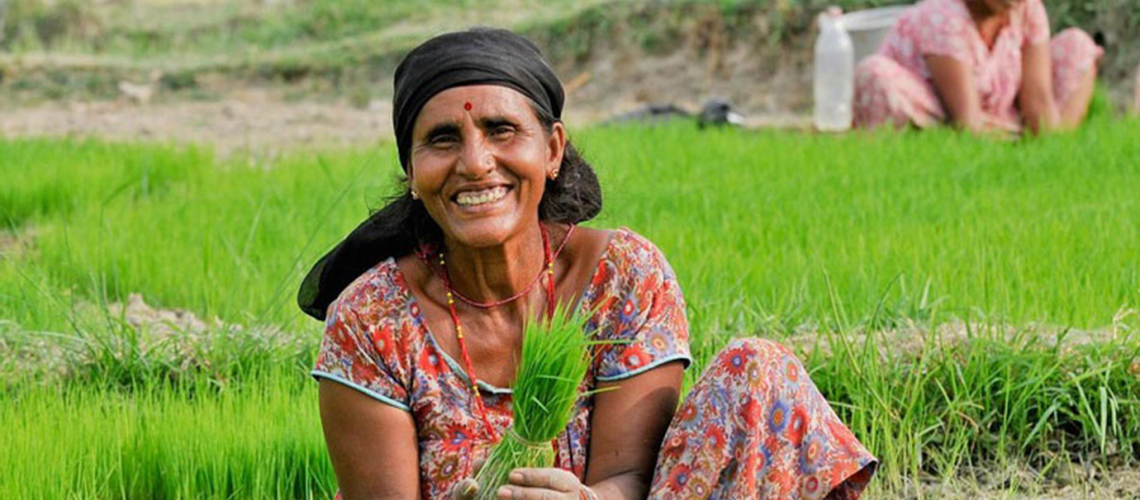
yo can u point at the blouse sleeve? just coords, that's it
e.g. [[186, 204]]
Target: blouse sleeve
[[647, 323], [361, 356], [941, 32], [1036, 22]]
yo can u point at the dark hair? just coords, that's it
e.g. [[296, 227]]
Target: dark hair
[[575, 196]]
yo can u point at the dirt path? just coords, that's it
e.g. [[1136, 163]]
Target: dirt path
[[251, 123], [247, 120]]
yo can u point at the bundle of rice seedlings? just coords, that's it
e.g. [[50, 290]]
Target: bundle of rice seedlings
[[555, 357]]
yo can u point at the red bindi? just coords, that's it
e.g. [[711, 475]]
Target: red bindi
[[467, 106]]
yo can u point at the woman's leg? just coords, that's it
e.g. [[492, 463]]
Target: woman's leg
[[756, 427], [1136, 93], [1075, 58], [887, 93]]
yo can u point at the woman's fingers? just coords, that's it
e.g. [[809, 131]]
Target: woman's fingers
[[477, 465], [468, 487], [548, 478], [520, 493], [465, 489]]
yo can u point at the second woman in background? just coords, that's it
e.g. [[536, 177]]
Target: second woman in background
[[980, 65]]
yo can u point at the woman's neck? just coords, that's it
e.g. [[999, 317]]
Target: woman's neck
[[495, 273], [987, 21], [981, 12]]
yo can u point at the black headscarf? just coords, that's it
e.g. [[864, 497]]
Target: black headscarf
[[475, 57]]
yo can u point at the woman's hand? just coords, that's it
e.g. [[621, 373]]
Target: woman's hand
[[468, 487], [528, 484], [541, 484], [465, 489]]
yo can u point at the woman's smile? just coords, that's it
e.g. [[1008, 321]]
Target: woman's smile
[[481, 198], [485, 202]]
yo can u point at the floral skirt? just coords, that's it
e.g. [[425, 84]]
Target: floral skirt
[[755, 426], [888, 93]]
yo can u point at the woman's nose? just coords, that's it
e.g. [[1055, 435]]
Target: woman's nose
[[477, 159]]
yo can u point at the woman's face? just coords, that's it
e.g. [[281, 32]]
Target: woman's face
[[479, 163]]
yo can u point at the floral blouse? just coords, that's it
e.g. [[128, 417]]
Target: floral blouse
[[376, 341]]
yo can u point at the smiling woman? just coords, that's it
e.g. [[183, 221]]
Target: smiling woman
[[426, 301]]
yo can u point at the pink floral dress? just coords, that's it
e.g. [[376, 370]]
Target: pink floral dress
[[754, 426], [894, 86]]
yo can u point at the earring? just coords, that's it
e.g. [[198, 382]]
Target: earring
[[415, 195], [554, 175]]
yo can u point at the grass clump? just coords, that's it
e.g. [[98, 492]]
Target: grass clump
[[201, 441], [555, 357], [948, 398]]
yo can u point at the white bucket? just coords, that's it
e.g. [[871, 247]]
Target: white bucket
[[867, 28]]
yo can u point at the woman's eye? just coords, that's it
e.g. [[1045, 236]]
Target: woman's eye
[[442, 140], [502, 130]]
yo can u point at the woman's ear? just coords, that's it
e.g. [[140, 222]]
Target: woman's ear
[[556, 146], [410, 178]]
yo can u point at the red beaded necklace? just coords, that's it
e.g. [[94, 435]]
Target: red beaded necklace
[[548, 270], [528, 288]]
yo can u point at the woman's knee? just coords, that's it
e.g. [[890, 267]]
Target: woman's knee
[[756, 364], [1075, 46], [755, 350], [1136, 93], [882, 89], [1075, 38], [875, 73]]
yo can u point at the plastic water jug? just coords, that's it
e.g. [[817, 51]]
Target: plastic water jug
[[834, 73]]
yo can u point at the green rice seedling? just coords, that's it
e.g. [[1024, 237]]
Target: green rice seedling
[[555, 357]]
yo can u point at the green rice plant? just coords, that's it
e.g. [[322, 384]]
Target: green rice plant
[[555, 358], [950, 396], [52, 181], [198, 441]]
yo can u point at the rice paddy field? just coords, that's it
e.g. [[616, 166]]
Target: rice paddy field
[[967, 303]]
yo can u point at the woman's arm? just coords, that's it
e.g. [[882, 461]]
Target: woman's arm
[[955, 85], [630, 419], [1035, 97], [372, 445]]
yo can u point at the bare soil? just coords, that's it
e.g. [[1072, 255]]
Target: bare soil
[[1069, 481], [248, 119], [767, 87], [914, 338]]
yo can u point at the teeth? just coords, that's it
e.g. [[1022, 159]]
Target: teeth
[[473, 198]]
